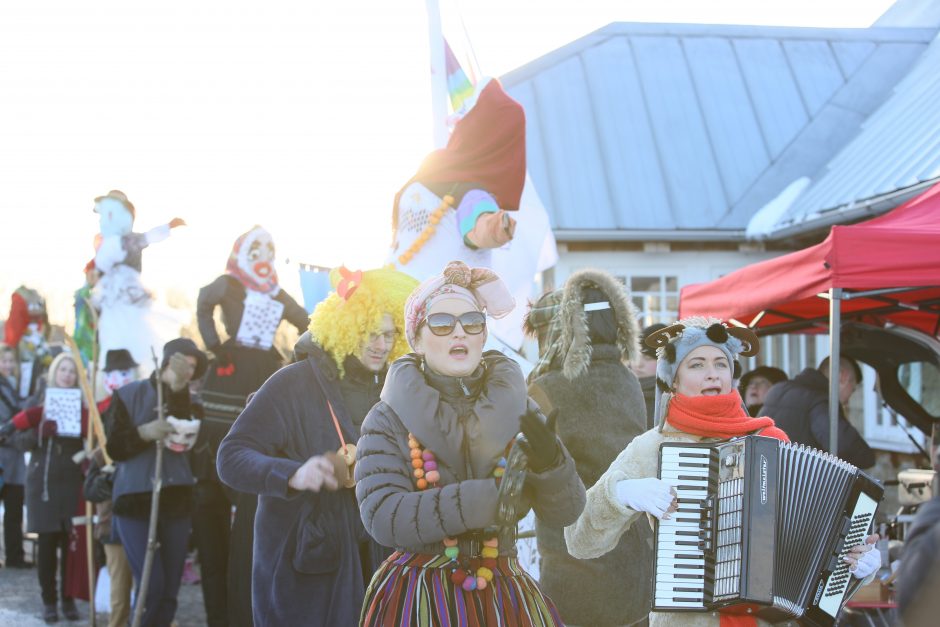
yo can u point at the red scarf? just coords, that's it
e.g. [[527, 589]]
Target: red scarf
[[721, 416]]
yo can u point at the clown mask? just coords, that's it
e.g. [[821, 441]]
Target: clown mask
[[115, 379], [252, 261], [184, 436], [113, 217]]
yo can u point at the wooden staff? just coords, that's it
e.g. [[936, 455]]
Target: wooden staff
[[154, 507], [94, 418]]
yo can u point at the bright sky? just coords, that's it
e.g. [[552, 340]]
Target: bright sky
[[305, 118]]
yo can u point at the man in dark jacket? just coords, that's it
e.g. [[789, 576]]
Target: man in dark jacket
[[598, 409], [801, 408], [134, 425], [312, 556]]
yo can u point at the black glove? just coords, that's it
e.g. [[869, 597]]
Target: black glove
[[540, 444]]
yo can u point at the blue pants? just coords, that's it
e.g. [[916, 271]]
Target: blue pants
[[168, 561]]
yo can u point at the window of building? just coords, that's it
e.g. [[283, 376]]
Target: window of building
[[656, 297]]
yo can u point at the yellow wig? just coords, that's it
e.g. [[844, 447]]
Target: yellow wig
[[340, 325]]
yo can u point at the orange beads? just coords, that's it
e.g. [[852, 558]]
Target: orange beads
[[433, 220]]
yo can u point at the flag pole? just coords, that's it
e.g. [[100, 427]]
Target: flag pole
[[438, 75]]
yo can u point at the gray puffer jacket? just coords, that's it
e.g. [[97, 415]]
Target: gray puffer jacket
[[467, 423]]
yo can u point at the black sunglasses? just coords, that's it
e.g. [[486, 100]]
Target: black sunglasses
[[473, 322]]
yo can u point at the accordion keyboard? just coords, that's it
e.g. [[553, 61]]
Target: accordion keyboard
[[684, 572]]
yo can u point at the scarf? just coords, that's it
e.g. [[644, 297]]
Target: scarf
[[436, 409], [479, 287], [721, 416]]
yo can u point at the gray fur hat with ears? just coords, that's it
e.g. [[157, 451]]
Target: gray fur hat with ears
[[675, 342], [570, 340]]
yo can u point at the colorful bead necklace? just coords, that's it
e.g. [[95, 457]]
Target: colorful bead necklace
[[427, 476], [446, 203]]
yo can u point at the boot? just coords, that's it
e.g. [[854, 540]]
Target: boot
[[49, 613], [69, 609]]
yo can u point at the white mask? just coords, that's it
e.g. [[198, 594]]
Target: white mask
[[119, 378], [184, 437]]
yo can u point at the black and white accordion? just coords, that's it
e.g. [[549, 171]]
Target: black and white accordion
[[761, 524]]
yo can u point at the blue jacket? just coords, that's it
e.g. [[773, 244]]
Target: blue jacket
[[309, 547]]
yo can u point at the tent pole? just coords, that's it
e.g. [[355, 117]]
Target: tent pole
[[835, 331]]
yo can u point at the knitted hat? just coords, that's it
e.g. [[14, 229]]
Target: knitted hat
[[675, 342]]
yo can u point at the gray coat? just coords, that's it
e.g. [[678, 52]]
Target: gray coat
[[598, 414], [53, 480], [12, 460], [467, 424]]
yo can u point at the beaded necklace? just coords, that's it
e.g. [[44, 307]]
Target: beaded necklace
[[446, 203], [427, 476]]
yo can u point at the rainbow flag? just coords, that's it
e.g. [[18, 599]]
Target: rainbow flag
[[459, 87]]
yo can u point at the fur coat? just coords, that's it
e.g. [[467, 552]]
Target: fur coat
[[604, 520], [598, 414]]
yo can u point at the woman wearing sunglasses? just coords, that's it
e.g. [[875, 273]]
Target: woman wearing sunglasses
[[430, 460]]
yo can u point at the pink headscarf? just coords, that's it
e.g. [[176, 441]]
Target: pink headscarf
[[480, 287]]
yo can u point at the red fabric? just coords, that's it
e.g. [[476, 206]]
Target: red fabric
[[30, 418], [898, 249], [76, 561], [487, 147], [17, 321], [721, 416]]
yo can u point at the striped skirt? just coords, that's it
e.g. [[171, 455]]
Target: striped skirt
[[411, 589]]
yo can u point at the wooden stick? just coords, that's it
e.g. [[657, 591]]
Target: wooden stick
[[94, 418]]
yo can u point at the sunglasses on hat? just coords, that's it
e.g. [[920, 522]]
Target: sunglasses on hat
[[473, 322]]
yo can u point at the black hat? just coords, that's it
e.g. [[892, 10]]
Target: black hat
[[649, 351], [186, 346], [774, 375], [119, 359]]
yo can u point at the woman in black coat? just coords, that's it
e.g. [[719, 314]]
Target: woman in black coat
[[53, 486]]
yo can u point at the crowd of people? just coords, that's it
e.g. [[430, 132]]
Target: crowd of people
[[378, 474], [379, 471]]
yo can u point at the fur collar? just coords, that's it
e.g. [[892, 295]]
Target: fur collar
[[428, 410], [574, 344]]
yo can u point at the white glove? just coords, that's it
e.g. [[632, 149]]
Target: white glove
[[864, 559], [315, 474], [651, 495]]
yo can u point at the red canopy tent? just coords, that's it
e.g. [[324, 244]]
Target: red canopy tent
[[884, 270], [887, 267]]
